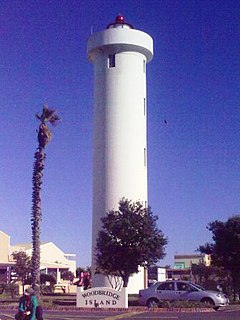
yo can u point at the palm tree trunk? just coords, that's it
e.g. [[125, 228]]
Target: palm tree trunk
[[36, 214]]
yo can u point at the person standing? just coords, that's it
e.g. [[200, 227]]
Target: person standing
[[27, 306]]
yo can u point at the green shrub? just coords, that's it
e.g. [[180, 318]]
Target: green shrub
[[2, 287], [45, 289], [184, 304], [12, 289]]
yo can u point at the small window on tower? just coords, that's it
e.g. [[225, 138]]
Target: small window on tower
[[144, 106], [144, 66], [145, 157], [111, 61]]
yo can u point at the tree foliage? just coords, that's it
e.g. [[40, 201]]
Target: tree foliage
[[44, 137], [47, 283], [207, 276], [47, 278], [67, 275], [129, 238], [225, 248], [22, 266], [80, 270]]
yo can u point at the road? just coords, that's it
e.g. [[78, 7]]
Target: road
[[229, 314]]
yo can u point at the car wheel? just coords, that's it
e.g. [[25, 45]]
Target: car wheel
[[153, 303], [208, 301]]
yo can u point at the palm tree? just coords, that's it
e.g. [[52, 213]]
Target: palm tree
[[44, 137]]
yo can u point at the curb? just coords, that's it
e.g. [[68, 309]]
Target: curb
[[125, 310]]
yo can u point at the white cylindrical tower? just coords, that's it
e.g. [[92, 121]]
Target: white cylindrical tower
[[119, 55]]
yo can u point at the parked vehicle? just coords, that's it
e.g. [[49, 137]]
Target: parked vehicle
[[180, 290]]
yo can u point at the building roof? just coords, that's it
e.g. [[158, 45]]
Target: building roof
[[49, 264], [187, 256], [21, 246], [4, 234], [28, 246]]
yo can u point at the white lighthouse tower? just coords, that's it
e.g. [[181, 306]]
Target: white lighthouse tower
[[119, 55]]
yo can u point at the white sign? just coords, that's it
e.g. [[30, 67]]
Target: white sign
[[102, 297]]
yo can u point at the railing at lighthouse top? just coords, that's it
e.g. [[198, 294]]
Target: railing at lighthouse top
[[119, 36]]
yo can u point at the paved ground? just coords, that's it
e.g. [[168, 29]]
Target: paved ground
[[231, 313]]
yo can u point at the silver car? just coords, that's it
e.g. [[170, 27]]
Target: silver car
[[180, 290]]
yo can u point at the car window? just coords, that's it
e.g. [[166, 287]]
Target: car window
[[198, 286], [182, 286], [166, 286], [192, 287]]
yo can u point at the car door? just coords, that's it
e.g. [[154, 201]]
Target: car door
[[166, 291], [185, 291]]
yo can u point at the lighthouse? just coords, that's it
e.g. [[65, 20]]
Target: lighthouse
[[119, 55]]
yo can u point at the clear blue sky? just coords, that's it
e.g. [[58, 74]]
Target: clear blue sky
[[193, 83]]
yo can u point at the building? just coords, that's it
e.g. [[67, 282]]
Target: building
[[119, 55], [5, 259], [182, 268], [53, 260], [156, 273], [186, 260]]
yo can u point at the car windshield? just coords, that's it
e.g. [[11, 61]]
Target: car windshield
[[197, 286]]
